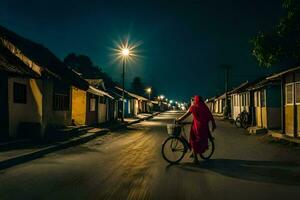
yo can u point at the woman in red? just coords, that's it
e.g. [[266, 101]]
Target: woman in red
[[200, 127]]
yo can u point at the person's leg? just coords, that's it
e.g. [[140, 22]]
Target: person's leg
[[195, 157]]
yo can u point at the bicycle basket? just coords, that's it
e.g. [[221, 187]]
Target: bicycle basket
[[173, 129]]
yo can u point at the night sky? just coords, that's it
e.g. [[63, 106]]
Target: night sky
[[183, 43]]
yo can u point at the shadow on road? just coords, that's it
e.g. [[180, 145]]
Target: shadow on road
[[279, 172]]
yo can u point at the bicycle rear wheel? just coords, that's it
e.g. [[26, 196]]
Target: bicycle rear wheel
[[210, 151], [173, 149]]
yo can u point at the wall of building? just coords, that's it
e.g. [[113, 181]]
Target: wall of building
[[289, 108], [274, 118], [78, 106], [29, 112], [136, 107], [55, 118], [102, 111], [289, 120], [91, 115], [4, 121]]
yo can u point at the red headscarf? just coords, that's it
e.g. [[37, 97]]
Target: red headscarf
[[200, 111]]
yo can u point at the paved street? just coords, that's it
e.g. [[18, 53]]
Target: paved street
[[128, 165]]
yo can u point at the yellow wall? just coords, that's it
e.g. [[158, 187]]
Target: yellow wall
[[78, 106], [264, 117], [258, 116], [289, 120]]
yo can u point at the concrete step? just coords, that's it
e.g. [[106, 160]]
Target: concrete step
[[254, 130]]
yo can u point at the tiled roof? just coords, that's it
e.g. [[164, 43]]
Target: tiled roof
[[11, 64], [38, 56]]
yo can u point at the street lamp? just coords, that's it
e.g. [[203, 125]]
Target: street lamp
[[125, 52], [149, 90]]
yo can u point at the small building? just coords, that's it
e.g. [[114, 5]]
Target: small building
[[90, 107], [210, 103], [34, 104], [240, 100], [155, 106], [267, 104], [290, 100], [134, 104], [219, 105]]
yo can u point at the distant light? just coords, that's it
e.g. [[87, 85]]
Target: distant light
[[162, 96], [171, 101]]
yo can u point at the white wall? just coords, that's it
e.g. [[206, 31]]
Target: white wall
[[51, 117], [32, 111], [102, 110]]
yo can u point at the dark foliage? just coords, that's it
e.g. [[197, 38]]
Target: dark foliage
[[282, 45], [83, 65]]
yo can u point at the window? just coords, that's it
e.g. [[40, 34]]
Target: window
[[60, 102], [297, 88], [289, 94], [92, 104], [233, 101], [20, 93], [262, 98], [243, 99]]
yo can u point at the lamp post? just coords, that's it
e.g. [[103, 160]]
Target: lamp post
[[149, 90], [125, 53]]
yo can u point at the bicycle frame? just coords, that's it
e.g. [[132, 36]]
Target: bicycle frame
[[183, 136]]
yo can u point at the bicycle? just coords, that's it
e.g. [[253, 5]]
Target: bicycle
[[176, 145], [242, 120]]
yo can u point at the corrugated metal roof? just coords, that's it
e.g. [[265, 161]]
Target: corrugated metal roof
[[131, 94], [98, 92], [275, 76], [262, 84], [238, 88]]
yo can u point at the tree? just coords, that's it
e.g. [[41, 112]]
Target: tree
[[84, 65], [281, 46], [137, 86]]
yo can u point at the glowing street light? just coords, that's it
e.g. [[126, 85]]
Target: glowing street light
[[162, 97], [125, 52], [149, 90]]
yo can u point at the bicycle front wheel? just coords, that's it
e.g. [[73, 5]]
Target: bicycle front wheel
[[210, 150], [238, 122], [173, 150]]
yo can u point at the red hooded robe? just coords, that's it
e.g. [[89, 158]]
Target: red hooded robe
[[200, 127]]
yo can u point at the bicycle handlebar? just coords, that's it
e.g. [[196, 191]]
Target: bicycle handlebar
[[183, 123]]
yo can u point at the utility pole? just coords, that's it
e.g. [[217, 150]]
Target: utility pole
[[123, 91], [226, 84]]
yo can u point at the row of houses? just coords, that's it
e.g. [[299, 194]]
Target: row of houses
[[272, 102], [39, 93]]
